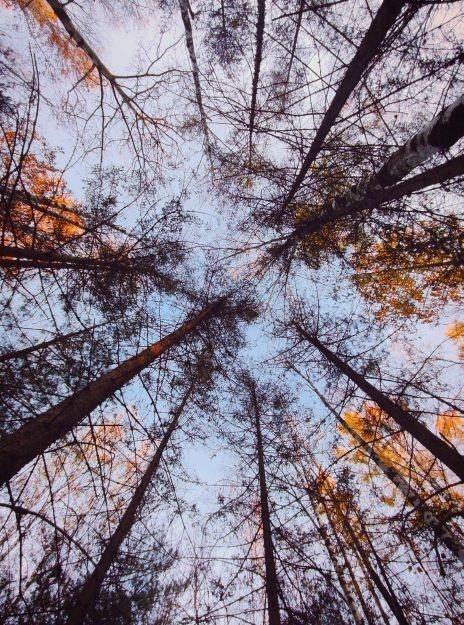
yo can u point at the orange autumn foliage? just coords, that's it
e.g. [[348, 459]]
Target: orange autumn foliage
[[456, 333], [450, 425], [413, 272], [38, 209], [74, 61]]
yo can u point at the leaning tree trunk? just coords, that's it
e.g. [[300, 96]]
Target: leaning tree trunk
[[185, 14], [369, 47], [435, 445], [90, 590], [446, 129], [350, 599], [27, 442], [440, 530], [272, 586], [60, 338], [59, 10], [12, 257], [387, 593], [257, 68]]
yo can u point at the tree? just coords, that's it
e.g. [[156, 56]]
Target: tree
[[24, 444]]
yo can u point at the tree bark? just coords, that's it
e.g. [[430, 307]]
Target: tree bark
[[89, 592], [22, 353], [258, 58], [338, 209], [185, 14], [389, 597], [61, 13], [12, 257], [272, 586], [24, 444], [435, 445], [446, 129], [369, 47], [350, 600]]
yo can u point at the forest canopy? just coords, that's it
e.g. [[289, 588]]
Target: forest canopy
[[232, 332]]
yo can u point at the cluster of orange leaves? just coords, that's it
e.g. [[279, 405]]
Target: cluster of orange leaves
[[409, 285], [74, 61], [42, 212], [456, 333], [371, 424]]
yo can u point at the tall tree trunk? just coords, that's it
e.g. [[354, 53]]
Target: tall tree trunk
[[56, 209], [24, 444], [272, 586], [301, 8], [387, 593], [373, 591], [340, 208], [440, 529], [185, 14], [359, 591], [60, 338], [258, 58], [435, 445], [369, 47], [59, 10], [446, 129], [350, 599], [88, 593], [12, 257]]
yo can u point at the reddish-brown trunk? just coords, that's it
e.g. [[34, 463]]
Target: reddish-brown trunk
[[88, 593], [24, 444]]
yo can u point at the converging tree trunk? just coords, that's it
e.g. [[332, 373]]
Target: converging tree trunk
[[272, 586], [59, 338], [338, 568], [185, 14], [440, 529], [369, 47], [257, 67], [435, 445], [24, 444], [89, 591], [446, 129], [59, 10]]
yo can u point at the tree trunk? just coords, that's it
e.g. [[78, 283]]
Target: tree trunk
[[60, 338], [62, 15], [24, 444], [12, 257], [338, 208], [435, 445], [88, 593], [389, 597], [258, 58], [369, 47], [56, 209], [350, 600], [272, 586], [440, 529], [185, 14]]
